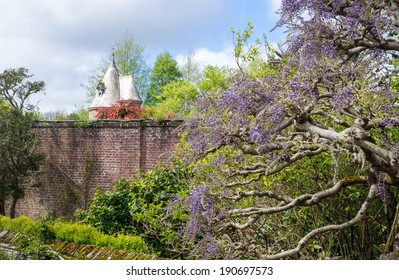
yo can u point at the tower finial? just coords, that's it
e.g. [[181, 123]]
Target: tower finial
[[113, 53]]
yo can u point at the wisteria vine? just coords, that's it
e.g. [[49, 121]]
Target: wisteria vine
[[328, 97]]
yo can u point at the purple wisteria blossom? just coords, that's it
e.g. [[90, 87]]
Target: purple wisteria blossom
[[200, 209], [303, 136], [206, 248]]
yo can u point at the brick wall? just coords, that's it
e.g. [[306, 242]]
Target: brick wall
[[81, 158]]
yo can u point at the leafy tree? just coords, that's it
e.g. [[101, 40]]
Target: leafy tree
[[80, 114], [245, 53], [191, 70], [16, 89], [214, 78], [328, 100], [164, 72], [174, 101], [18, 143], [129, 59]]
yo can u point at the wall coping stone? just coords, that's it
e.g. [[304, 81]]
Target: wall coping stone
[[106, 123]]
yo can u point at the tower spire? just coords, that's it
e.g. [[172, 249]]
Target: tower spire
[[113, 54]]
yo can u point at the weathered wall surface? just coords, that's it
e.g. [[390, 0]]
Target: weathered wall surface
[[81, 158]]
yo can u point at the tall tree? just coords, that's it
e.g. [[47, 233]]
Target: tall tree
[[328, 100], [164, 72], [129, 59], [191, 70], [18, 143]]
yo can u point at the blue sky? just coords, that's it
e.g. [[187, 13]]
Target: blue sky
[[60, 41]]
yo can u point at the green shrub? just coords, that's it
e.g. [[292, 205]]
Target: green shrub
[[4, 256], [141, 206], [86, 234], [3, 222], [109, 211], [43, 231], [77, 233], [23, 224], [36, 234], [127, 243]]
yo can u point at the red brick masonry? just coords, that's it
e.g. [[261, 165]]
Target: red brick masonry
[[81, 157]]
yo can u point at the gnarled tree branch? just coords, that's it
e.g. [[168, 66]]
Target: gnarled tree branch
[[305, 240], [303, 200]]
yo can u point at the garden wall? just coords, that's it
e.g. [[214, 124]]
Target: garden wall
[[80, 157]]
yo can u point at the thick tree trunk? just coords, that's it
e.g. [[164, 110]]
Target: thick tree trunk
[[2, 207], [13, 207]]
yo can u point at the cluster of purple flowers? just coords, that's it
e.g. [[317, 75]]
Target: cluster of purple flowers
[[207, 248], [382, 190], [241, 100], [200, 208], [195, 199], [240, 159], [390, 122], [342, 98], [255, 133]]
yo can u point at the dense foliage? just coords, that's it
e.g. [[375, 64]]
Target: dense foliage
[[174, 101], [18, 143], [165, 71], [141, 206], [307, 153]]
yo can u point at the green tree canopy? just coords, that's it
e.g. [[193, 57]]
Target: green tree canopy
[[164, 72], [15, 87], [18, 142], [214, 78], [175, 100]]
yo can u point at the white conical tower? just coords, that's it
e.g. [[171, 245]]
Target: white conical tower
[[128, 89], [113, 88], [108, 90]]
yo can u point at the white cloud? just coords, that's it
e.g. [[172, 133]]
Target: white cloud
[[63, 69], [204, 57], [92, 22], [274, 6]]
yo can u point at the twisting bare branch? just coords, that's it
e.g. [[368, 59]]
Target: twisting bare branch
[[303, 200], [270, 194], [305, 240]]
